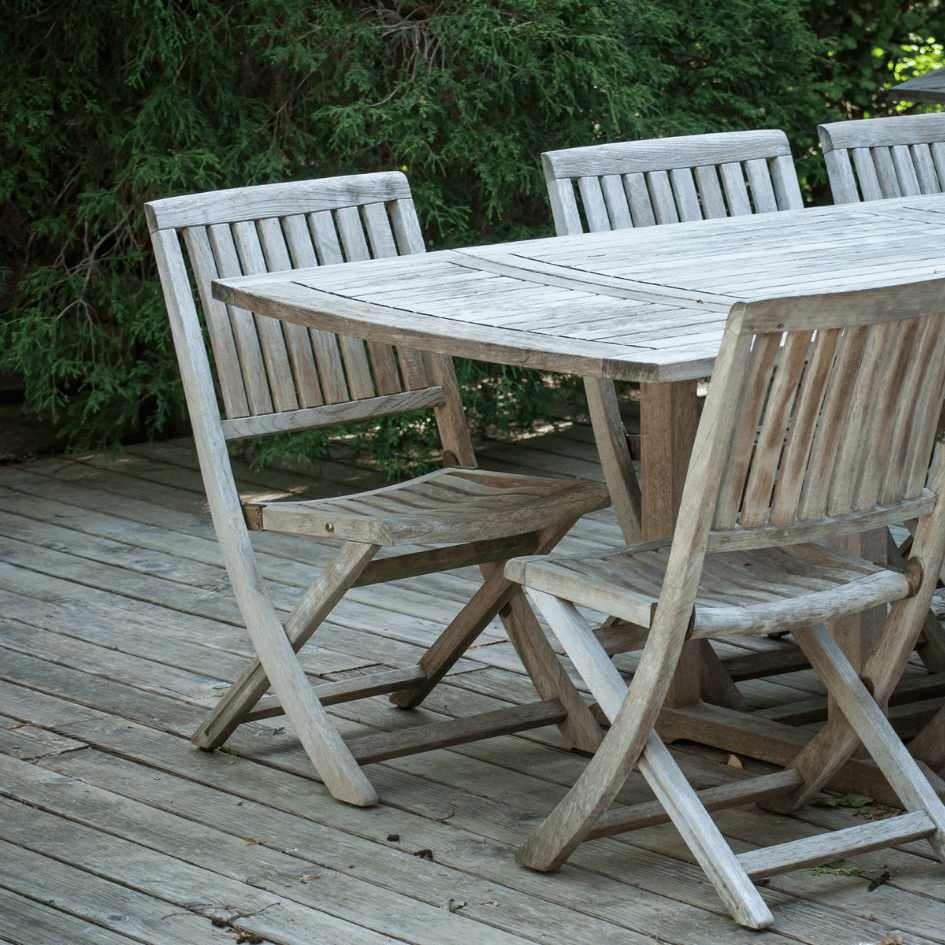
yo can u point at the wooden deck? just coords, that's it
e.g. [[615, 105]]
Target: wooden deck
[[117, 630]]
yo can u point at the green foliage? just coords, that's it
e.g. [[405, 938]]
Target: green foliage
[[107, 103]]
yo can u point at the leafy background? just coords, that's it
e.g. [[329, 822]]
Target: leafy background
[[105, 104]]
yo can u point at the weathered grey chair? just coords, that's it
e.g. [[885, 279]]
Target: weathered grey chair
[[845, 389], [884, 157], [278, 377]]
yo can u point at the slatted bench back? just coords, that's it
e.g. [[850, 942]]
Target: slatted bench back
[[836, 409], [273, 375], [884, 157], [670, 180]]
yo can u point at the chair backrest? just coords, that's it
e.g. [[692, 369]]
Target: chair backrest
[[670, 180], [884, 157], [822, 415], [273, 375]]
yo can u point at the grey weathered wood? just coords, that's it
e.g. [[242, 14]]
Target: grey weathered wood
[[680, 588], [929, 745], [754, 592], [832, 847], [308, 418], [347, 219], [753, 265], [875, 731], [275, 200], [631, 157], [657, 766], [668, 180], [28, 922], [447, 506], [604, 408], [291, 822], [736, 794], [421, 888], [877, 158], [308, 717], [821, 248], [370, 684], [818, 249], [372, 748]]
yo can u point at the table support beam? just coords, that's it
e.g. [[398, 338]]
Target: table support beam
[[669, 417]]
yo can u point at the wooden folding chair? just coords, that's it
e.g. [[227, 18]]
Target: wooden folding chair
[[876, 158], [820, 420], [274, 377]]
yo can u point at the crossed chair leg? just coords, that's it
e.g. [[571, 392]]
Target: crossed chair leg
[[632, 742], [338, 764]]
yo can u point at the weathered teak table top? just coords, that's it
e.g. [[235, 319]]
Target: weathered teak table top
[[646, 304]]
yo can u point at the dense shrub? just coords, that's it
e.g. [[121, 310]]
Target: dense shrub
[[107, 103]]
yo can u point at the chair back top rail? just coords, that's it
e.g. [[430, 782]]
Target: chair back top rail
[[273, 375], [276, 200], [670, 180], [836, 411], [882, 132], [878, 158]]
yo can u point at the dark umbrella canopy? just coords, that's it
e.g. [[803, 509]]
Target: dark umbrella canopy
[[926, 88]]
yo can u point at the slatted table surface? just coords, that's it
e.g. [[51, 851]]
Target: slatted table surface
[[637, 304]]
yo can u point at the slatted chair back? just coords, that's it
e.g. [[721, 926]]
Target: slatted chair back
[[271, 375], [884, 157], [670, 180], [833, 405]]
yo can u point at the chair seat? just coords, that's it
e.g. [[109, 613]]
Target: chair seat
[[447, 506], [749, 592]]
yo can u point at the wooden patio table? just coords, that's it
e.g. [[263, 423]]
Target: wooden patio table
[[646, 305]]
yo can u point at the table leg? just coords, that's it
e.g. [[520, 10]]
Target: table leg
[[669, 416], [859, 634], [614, 452]]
